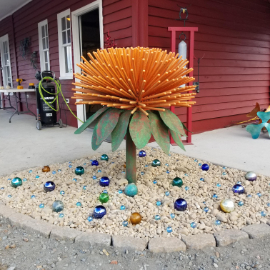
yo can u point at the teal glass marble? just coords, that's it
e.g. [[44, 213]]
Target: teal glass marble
[[217, 222], [177, 181], [78, 204], [57, 206], [104, 157], [79, 170], [206, 209], [61, 215], [157, 217], [41, 205], [169, 229], [131, 190], [62, 192], [16, 182], [240, 203], [122, 207], [158, 203], [156, 163], [125, 223], [193, 225], [90, 219], [172, 216]]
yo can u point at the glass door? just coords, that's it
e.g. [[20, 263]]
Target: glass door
[[5, 62]]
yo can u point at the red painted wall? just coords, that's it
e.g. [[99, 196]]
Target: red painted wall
[[234, 38], [117, 18]]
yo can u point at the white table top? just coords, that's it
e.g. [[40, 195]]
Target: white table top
[[15, 90]]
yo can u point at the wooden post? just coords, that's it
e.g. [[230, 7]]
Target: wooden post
[[130, 159]]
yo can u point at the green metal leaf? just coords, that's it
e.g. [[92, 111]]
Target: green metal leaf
[[90, 120], [160, 132], [140, 129], [172, 121], [120, 130], [177, 138], [186, 128], [104, 127]]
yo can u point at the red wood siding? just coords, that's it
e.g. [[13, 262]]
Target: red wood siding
[[234, 37], [117, 18]]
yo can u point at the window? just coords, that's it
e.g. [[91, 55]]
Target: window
[[44, 45], [5, 61], [64, 41]]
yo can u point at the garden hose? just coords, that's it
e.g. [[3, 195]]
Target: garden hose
[[58, 90]]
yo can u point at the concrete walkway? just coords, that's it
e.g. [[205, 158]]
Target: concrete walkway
[[22, 146]]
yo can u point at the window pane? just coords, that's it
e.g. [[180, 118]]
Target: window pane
[[64, 37], [6, 59], [5, 47], [64, 23], [43, 44], [47, 42], [68, 61], [46, 56], [68, 36], [46, 30], [43, 31], [68, 22], [46, 66], [8, 72]]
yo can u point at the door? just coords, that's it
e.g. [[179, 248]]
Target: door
[[5, 62]]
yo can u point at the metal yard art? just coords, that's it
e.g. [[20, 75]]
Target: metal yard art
[[136, 86]]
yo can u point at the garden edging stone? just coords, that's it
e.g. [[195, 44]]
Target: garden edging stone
[[155, 245]]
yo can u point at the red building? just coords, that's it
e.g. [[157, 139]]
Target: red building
[[233, 39]]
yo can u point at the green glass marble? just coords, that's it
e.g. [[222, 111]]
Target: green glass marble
[[104, 197], [79, 170], [177, 181], [16, 182], [104, 157], [156, 163]]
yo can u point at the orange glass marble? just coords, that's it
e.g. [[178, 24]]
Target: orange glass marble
[[135, 218], [46, 169]]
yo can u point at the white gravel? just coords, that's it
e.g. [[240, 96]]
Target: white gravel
[[197, 193]]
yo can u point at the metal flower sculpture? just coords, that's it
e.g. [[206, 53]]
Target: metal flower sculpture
[[135, 86], [255, 130]]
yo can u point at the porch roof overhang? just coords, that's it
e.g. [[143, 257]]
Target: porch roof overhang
[[8, 7]]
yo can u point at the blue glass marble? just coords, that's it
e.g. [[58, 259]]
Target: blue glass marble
[[79, 170], [57, 206], [53, 172], [206, 209], [99, 212], [49, 186], [33, 196], [41, 205], [215, 196], [193, 225], [104, 181], [172, 215], [120, 191], [200, 164], [16, 182], [167, 171], [218, 185], [239, 182], [59, 170], [167, 193], [240, 203], [125, 223], [30, 171], [224, 168], [195, 160], [186, 174], [268, 204], [239, 189], [70, 166], [217, 222], [94, 163], [142, 153], [90, 219], [249, 195], [37, 176], [131, 190], [123, 171], [99, 171], [186, 188], [205, 167], [9, 196], [2, 188], [94, 177], [180, 204], [157, 217], [24, 179], [202, 179], [169, 229], [263, 214], [259, 194], [84, 187], [61, 215], [122, 207], [79, 204], [146, 165], [62, 192], [142, 173], [155, 181], [9, 179], [158, 203], [75, 179], [105, 191], [223, 173]]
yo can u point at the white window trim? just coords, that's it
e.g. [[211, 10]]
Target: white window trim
[[81, 112], [63, 74], [2, 40], [41, 51]]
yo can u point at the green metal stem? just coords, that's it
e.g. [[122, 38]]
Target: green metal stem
[[130, 159]]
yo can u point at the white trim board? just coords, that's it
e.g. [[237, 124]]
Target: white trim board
[[81, 114]]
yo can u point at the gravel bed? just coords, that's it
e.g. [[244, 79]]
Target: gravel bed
[[201, 189]]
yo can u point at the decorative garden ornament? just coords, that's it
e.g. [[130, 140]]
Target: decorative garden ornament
[[135, 86]]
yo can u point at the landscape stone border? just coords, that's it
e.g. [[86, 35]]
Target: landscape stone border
[[155, 245]]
